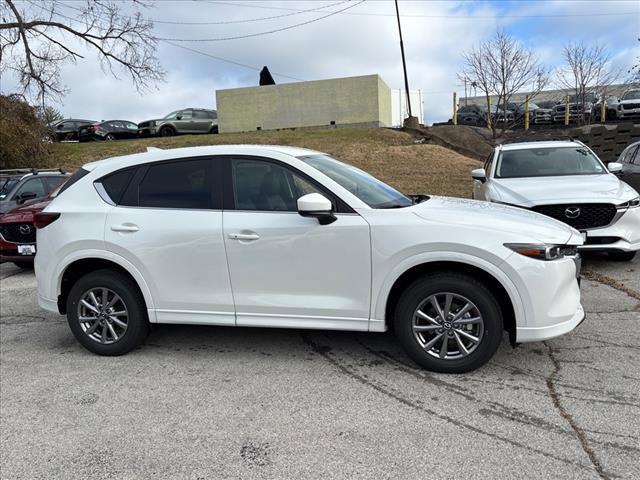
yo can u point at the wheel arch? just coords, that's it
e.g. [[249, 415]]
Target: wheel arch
[[75, 268], [499, 284]]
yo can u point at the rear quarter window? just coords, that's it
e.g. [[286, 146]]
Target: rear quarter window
[[116, 183]]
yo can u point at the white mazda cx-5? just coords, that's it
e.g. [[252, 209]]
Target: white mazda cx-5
[[567, 181], [271, 236]]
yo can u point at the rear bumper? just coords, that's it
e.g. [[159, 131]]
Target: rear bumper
[[536, 334], [48, 304]]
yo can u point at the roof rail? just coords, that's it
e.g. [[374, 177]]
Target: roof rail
[[34, 171], [540, 139]]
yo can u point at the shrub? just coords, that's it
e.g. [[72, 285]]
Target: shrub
[[22, 135]]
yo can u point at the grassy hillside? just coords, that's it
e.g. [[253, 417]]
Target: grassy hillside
[[389, 155]]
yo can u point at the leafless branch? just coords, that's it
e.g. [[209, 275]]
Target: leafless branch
[[36, 42]]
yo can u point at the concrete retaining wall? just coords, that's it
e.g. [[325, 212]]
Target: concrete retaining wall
[[608, 141]]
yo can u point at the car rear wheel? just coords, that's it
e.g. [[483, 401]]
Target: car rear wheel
[[110, 137], [620, 256], [449, 322], [106, 313], [167, 132]]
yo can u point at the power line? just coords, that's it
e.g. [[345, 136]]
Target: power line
[[372, 14], [228, 22], [233, 62], [238, 37]]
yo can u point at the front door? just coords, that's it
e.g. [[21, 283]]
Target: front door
[[168, 224], [287, 270]]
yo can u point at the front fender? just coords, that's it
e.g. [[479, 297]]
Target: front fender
[[384, 284]]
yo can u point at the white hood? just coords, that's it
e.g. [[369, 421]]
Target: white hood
[[496, 218], [528, 192]]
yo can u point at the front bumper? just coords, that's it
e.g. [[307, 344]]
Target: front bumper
[[628, 113], [9, 252], [536, 334], [621, 235], [147, 132]]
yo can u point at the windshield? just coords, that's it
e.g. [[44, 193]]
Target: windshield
[[632, 95], [367, 188], [6, 185], [548, 162]]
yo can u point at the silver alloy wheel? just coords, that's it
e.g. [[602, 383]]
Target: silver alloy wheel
[[103, 315], [448, 326]]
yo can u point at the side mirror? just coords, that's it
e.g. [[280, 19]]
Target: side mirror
[[317, 206], [23, 197], [479, 174], [614, 167]]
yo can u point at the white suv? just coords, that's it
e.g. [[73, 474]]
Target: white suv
[[567, 181], [272, 236]]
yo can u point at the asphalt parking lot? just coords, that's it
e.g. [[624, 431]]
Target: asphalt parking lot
[[213, 402]]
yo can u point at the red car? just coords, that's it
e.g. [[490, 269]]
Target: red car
[[18, 233]]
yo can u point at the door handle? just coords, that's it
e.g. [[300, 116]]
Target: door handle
[[125, 227], [244, 236]]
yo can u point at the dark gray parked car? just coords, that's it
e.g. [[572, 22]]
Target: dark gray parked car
[[18, 186], [67, 129], [630, 160], [189, 120]]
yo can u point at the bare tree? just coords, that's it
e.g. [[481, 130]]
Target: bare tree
[[634, 71], [501, 67], [38, 37], [587, 72]]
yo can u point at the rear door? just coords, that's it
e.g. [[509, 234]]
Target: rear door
[[288, 270], [168, 224], [201, 121]]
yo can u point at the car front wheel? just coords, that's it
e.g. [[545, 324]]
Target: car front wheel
[[449, 322], [620, 256], [106, 313]]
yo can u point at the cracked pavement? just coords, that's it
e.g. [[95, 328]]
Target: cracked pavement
[[214, 402]]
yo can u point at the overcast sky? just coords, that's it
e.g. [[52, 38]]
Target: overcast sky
[[361, 40]]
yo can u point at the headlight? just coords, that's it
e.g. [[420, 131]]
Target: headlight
[[543, 251], [633, 203]]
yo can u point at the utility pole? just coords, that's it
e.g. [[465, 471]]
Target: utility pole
[[404, 63]]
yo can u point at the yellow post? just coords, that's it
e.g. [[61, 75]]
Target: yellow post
[[603, 109], [488, 112], [526, 112], [566, 111], [455, 110]]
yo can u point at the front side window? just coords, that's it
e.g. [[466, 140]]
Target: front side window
[[181, 184], [548, 162], [265, 186], [367, 188], [185, 115], [33, 185]]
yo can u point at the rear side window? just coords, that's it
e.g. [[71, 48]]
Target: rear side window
[[182, 184], [116, 183], [81, 172]]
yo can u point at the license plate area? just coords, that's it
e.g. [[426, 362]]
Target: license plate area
[[26, 249]]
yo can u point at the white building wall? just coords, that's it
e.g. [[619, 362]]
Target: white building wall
[[399, 109]]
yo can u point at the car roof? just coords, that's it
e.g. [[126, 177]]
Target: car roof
[[549, 144], [187, 152]]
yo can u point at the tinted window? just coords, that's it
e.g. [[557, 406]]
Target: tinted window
[[116, 183], [33, 185], [81, 172], [201, 114], [53, 182], [265, 186], [182, 184], [636, 159], [628, 155]]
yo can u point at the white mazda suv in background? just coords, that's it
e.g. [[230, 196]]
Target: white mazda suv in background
[[267, 236], [566, 181]]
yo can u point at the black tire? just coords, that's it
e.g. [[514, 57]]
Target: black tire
[[137, 320], [110, 137], [620, 256], [213, 129], [167, 132], [24, 265], [457, 284]]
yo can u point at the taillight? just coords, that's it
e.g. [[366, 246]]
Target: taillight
[[42, 219]]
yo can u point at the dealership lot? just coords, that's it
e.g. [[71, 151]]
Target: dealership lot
[[213, 402]]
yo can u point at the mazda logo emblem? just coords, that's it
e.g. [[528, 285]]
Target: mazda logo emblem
[[572, 212], [25, 229]]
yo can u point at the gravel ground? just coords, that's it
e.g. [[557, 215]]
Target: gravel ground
[[214, 403]]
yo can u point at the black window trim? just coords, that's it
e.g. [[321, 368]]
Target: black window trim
[[339, 205], [130, 193]]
